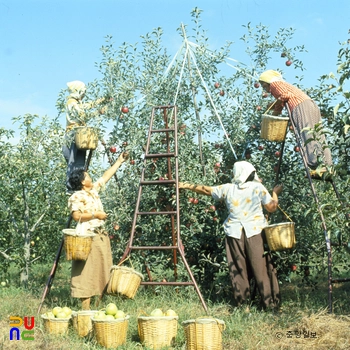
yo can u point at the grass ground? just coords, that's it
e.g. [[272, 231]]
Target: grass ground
[[302, 323]]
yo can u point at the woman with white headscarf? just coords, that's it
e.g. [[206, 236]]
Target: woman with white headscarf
[[304, 112], [245, 199], [77, 114]]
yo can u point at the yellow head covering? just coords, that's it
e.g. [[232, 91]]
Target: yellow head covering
[[76, 88], [270, 76]]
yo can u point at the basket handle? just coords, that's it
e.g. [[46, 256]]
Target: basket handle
[[287, 216], [271, 105], [128, 257]]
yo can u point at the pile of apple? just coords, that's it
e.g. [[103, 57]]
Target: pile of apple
[[59, 312], [111, 312], [160, 313]]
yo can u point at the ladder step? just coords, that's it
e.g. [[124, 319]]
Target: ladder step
[[159, 155], [156, 213], [163, 130], [158, 182]]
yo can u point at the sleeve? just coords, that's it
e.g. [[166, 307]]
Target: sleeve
[[99, 184], [76, 202], [265, 196], [218, 192]]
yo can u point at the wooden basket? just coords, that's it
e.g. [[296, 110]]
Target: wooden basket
[[157, 332], [124, 280], [280, 236], [82, 322], [204, 333], [86, 137], [274, 128], [77, 247], [111, 333], [56, 325]]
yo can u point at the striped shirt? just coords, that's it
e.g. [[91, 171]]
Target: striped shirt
[[286, 92]]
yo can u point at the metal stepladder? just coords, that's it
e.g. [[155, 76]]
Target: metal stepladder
[[170, 141], [328, 241]]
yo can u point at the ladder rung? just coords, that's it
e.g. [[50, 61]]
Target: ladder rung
[[158, 182], [156, 213], [159, 155], [163, 130]]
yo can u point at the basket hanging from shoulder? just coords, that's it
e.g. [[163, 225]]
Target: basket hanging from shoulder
[[86, 137], [273, 128], [77, 247], [280, 236], [111, 333], [204, 333], [124, 280], [157, 332]]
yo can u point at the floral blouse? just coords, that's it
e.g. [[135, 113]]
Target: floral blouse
[[87, 202], [244, 206]]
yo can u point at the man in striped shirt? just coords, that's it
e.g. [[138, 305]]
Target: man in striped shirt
[[304, 113]]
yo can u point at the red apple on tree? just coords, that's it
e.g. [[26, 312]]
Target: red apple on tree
[[191, 199], [125, 109], [293, 267], [125, 144], [113, 149], [297, 149], [277, 154], [260, 147], [217, 85], [256, 85], [195, 201], [258, 108], [132, 161], [288, 63], [222, 93], [217, 165]]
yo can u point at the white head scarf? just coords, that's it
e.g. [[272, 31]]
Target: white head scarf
[[241, 172], [76, 89], [270, 76]]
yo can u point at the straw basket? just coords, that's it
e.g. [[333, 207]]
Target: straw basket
[[157, 332], [86, 137], [273, 128], [203, 333], [280, 236], [82, 322], [124, 280], [56, 325], [111, 333], [77, 247]]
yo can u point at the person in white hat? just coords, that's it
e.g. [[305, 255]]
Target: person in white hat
[[245, 199], [77, 114], [305, 114]]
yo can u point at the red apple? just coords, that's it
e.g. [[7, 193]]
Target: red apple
[[293, 267], [260, 147], [125, 109], [212, 208], [217, 145], [132, 162], [125, 144], [116, 227], [191, 199], [288, 63], [265, 94], [217, 165], [195, 201], [297, 149], [277, 154], [161, 178], [256, 85], [217, 85], [113, 149], [258, 108], [222, 93], [215, 218]]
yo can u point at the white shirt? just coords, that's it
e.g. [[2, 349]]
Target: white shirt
[[245, 207]]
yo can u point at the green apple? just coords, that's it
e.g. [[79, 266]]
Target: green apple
[[111, 309], [109, 317], [170, 313], [50, 315], [119, 314], [157, 313], [99, 315], [61, 314], [3, 283], [56, 310], [67, 310]]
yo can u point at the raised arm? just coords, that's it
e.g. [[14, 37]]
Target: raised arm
[[112, 170], [273, 205], [200, 189]]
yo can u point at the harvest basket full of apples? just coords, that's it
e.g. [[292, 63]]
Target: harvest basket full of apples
[[57, 320], [159, 329]]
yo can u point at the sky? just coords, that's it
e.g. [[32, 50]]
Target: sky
[[47, 43]]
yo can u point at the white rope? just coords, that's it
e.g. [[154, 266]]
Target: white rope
[[212, 103]]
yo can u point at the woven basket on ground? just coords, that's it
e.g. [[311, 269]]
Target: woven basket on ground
[[273, 128], [124, 280], [86, 137], [82, 322], [280, 236], [203, 333], [111, 333], [77, 247], [56, 325], [157, 332]]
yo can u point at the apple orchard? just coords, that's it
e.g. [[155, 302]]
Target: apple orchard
[[132, 80]]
